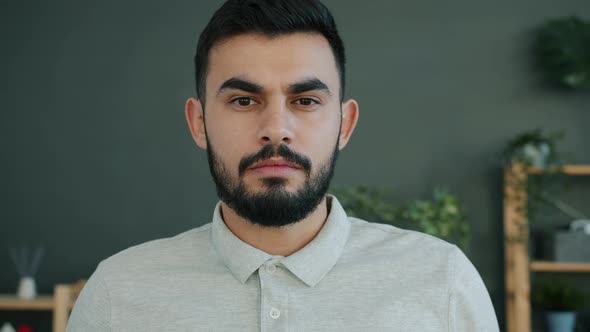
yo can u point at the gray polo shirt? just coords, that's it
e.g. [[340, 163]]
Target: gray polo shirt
[[353, 276]]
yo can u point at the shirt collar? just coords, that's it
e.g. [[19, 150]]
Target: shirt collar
[[310, 264]]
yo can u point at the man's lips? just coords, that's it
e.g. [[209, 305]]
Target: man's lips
[[274, 167], [274, 164]]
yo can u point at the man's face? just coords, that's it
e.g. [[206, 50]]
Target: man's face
[[272, 121]]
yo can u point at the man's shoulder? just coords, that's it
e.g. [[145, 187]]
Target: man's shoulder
[[161, 253], [369, 237]]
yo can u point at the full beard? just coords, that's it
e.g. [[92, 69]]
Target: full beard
[[274, 206]]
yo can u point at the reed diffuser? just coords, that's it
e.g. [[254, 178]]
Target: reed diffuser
[[27, 261]]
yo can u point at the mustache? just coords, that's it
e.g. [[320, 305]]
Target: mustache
[[269, 151]]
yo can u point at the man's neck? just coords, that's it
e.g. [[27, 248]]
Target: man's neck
[[277, 241]]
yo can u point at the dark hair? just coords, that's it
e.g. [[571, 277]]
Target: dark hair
[[271, 18]]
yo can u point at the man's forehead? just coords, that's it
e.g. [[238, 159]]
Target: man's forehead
[[311, 38], [266, 60]]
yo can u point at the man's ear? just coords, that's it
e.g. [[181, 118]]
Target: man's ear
[[196, 121], [350, 116]]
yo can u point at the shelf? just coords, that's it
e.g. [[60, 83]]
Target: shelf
[[567, 169], [11, 302], [548, 266], [516, 252]]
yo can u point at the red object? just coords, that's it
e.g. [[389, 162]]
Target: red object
[[24, 328]]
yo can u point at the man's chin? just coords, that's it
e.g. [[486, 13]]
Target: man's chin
[[275, 184]]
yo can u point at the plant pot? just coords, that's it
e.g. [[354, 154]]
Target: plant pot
[[561, 321], [26, 288], [537, 154]]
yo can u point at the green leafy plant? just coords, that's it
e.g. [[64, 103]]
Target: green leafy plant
[[562, 49], [557, 295], [442, 216], [535, 148], [367, 203]]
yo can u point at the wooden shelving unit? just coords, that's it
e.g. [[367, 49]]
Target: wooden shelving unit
[[567, 169], [39, 303], [516, 236], [60, 303], [545, 266]]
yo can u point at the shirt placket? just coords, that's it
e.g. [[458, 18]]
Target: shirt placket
[[274, 312]]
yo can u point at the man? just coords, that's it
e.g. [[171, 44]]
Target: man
[[280, 254]]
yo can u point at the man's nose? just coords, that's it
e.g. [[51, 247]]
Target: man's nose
[[276, 124]]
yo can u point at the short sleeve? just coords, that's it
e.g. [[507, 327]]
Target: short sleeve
[[92, 310], [470, 307]]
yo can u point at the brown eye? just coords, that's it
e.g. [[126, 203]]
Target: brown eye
[[244, 101], [306, 101]]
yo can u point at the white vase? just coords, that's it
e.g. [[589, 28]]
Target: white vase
[[26, 288], [537, 154], [7, 328]]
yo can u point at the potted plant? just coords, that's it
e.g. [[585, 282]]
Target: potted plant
[[560, 301], [539, 149], [535, 148], [562, 50]]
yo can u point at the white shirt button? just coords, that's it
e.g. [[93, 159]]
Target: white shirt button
[[271, 268], [275, 313]]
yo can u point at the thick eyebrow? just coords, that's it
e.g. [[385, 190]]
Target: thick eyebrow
[[295, 88], [308, 85], [240, 84]]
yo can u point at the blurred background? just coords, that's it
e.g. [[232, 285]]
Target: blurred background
[[97, 156]]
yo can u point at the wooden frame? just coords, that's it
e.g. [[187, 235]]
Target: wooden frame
[[516, 236], [65, 296], [516, 258]]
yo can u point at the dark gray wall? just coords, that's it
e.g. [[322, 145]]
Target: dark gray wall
[[96, 154]]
